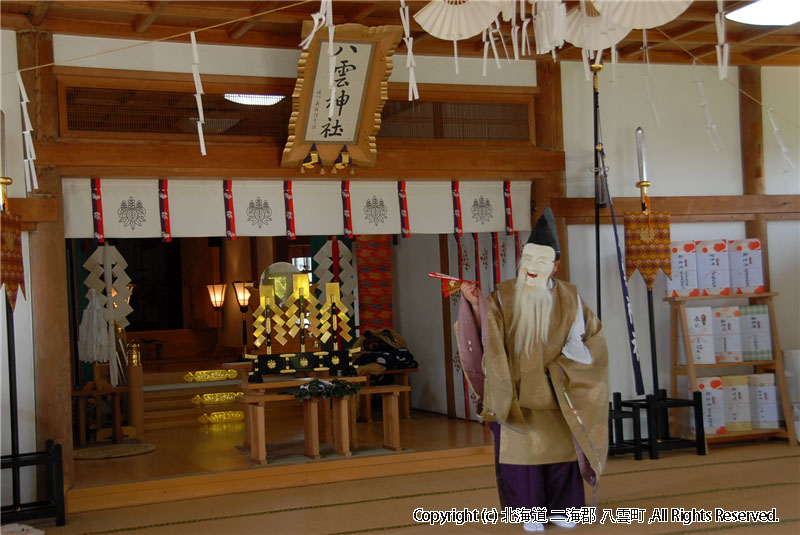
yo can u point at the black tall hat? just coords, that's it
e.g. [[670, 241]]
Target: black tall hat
[[544, 233]]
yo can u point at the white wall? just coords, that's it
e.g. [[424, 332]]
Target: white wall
[[282, 63], [23, 335], [417, 310], [681, 161]]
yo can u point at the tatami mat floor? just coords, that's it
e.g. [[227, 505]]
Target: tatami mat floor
[[757, 476]]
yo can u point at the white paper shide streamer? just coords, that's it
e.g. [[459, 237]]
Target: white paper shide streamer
[[413, 93], [31, 182], [711, 126], [198, 92], [777, 133], [723, 48]]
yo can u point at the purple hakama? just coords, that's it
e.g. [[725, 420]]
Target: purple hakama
[[555, 486]]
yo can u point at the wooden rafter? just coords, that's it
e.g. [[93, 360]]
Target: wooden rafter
[[143, 22], [242, 27], [771, 52], [261, 24]]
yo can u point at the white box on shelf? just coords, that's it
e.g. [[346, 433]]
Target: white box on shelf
[[737, 402], [756, 333], [713, 271], [701, 336], [684, 269], [713, 405], [763, 401], [747, 271], [727, 334]]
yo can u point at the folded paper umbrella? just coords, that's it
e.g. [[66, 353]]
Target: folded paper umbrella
[[641, 14], [594, 30], [452, 20]]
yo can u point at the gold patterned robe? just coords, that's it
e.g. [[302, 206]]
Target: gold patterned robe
[[546, 401]]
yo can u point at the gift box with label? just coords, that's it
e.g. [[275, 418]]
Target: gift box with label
[[747, 271], [684, 269], [756, 334], [727, 334], [701, 336], [713, 271], [713, 405], [763, 401], [736, 390]]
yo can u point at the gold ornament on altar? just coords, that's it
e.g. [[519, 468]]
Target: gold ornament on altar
[[221, 417], [204, 376], [216, 398]]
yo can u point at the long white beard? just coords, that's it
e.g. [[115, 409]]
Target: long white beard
[[530, 320]]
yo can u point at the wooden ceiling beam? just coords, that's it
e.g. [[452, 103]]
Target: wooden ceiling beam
[[125, 31], [743, 38], [38, 13], [770, 52], [259, 10], [363, 12], [143, 22]]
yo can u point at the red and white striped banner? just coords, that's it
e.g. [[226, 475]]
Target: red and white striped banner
[[496, 258], [508, 208], [347, 212], [289, 201], [163, 206], [97, 210], [457, 225], [405, 229], [230, 218]]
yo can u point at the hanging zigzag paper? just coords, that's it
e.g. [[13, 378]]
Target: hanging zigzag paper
[[332, 292], [324, 273], [119, 284], [647, 245], [262, 322]]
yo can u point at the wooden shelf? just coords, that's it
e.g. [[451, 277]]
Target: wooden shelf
[[683, 369], [745, 435], [682, 298], [679, 324]]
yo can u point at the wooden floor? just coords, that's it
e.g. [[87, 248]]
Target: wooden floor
[[744, 476], [213, 448]]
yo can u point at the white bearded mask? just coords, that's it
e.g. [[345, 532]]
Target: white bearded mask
[[533, 302], [537, 262]]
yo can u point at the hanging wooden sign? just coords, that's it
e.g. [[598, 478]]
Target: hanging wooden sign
[[340, 93]]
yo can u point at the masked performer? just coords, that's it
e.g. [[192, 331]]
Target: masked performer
[[535, 355]]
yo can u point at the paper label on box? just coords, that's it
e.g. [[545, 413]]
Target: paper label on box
[[713, 271], [699, 320], [727, 337], [747, 273], [713, 405], [756, 333], [684, 269]]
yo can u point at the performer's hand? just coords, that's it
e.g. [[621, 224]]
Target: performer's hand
[[471, 293]]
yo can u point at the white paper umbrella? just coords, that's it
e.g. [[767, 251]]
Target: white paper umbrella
[[594, 32], [457, 19], [641, 14]]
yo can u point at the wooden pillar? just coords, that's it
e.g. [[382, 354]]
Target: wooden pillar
[[447, 322], [550, 135], [752, 144], [48, 266]]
